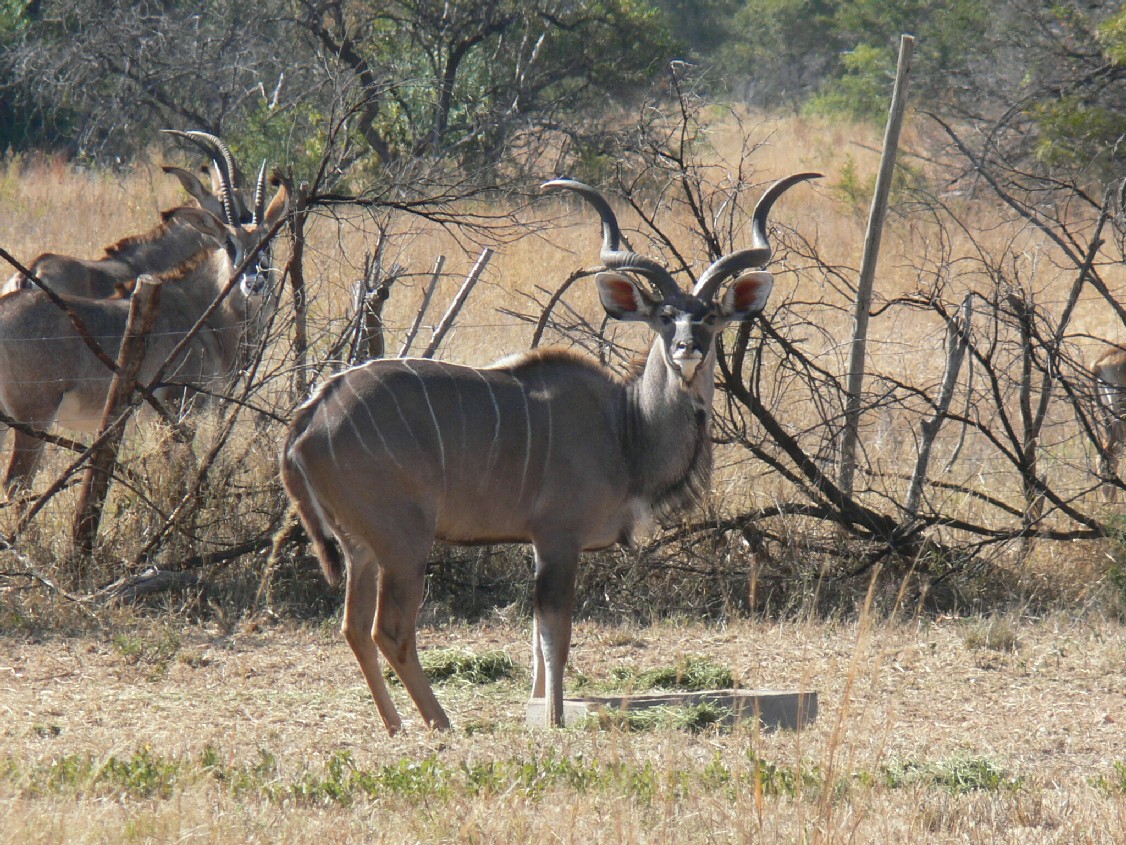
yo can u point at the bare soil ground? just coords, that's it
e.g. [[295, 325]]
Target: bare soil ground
[[187, 714]]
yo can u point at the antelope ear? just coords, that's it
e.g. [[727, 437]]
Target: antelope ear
[[201, 220], [622, 298], [190, 182], [746, 295], [279, 205]]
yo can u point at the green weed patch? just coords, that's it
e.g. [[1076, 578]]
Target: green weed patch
[[1113, 783], [693, 718], [461, 666], [692, 674], [341, 781], [956, 775]]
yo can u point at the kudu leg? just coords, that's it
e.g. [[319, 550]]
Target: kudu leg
[[26, 451], [358, 626], [402, 585], [553, 602], [538, 672], [1108, 465]]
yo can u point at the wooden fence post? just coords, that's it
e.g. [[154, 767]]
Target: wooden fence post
[[143, 308], [296, 272], [372, 293], [876, 215]]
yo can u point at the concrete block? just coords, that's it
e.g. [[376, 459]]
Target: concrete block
[[774, 709]]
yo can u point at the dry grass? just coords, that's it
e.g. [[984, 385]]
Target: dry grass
[[163, 733]]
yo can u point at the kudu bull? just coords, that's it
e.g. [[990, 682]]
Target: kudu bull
[[48, 375], [547, 448], [163, 248]]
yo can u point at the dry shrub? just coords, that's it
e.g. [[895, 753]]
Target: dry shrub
[[719, 564]]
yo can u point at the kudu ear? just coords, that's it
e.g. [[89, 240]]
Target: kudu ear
[[622, 298], [746, 295]]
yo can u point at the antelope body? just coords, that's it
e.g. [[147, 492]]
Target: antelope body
[[161, 250], [49, 376], [1109, 371], [547, 448]]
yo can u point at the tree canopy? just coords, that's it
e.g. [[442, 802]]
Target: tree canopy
[[474, 84]]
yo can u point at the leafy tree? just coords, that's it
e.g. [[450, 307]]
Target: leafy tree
[[469, 78], [22, 116], [781, 50], [1075, 93], [123, 70], [701, 26], [462, 81], [839, 56]]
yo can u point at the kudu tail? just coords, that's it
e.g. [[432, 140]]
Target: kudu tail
[[305, 502]]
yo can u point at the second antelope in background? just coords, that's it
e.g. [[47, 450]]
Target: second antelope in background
[[49, 376], [161, 250], [545, 448], [1109, 371]]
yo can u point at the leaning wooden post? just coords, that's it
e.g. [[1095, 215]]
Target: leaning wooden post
[[435, 276], [143, 308], [876, 215], [459, 301]]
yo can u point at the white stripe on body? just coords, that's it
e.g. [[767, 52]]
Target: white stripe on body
[[550, 435], [527, 439], [496, 430], [402, 417], [315, 501], [434, 418], [375, 426], [330, 440]]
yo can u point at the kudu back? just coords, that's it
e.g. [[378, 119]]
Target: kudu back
[[49, 376], [547, 448]]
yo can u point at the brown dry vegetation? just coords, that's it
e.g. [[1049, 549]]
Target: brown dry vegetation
[[955, 730], [129, 726]]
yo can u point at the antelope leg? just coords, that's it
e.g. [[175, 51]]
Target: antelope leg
[[537, 659], [1108, 464], [26, 451], [553, 601], [357, 627], [402, 584]]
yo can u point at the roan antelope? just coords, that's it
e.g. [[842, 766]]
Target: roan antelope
[[49, 376], [163, 248], [546, 448], [1110, 385]]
